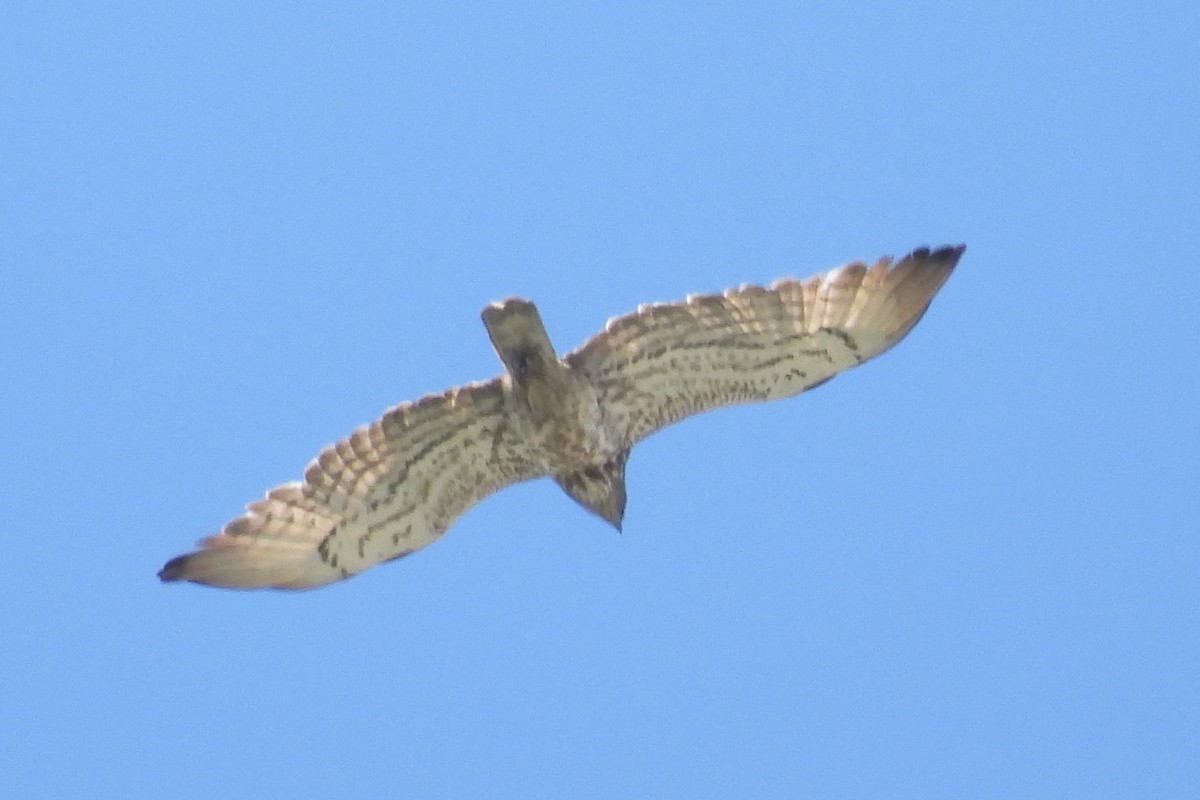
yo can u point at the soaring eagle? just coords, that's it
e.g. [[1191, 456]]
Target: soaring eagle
[[394, 486]]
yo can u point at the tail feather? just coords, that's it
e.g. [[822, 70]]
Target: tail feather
[[517, 333]]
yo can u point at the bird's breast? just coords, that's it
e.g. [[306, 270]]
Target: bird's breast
[[566, 420]]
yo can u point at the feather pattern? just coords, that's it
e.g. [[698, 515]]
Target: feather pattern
[[397, 484], [665, 362], [387, 489]]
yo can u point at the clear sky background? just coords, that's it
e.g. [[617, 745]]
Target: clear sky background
[[968, 569]]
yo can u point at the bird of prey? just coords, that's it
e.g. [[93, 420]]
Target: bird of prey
[[394, 486]]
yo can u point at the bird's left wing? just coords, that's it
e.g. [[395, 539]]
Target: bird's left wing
[[667, 361], [386, 490]]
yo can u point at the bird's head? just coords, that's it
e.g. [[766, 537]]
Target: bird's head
[[600, 488]]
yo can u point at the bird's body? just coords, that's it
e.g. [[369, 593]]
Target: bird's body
[[559, 411], [397, 484]]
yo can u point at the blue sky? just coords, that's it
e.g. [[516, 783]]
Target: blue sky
[[968, 569]]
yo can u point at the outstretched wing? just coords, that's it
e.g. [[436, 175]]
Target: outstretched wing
[[387, 489], [668, 361]]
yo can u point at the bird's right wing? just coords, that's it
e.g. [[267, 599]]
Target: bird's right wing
[[667, 361]]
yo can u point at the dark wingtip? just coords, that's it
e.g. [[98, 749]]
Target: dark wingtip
[[941, 260], [949, 252], [173, 570]]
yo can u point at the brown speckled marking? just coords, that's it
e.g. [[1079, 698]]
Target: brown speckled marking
[[396, 485]]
